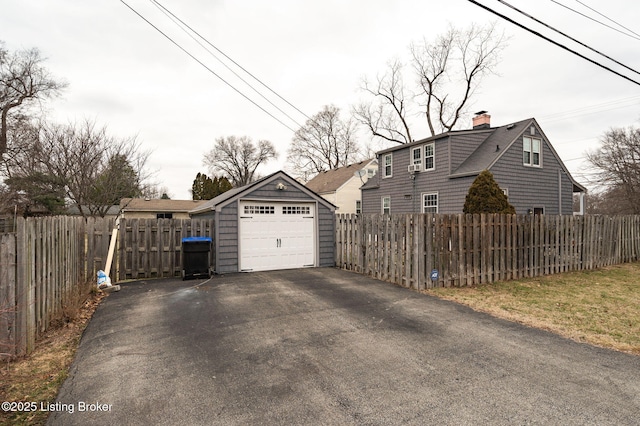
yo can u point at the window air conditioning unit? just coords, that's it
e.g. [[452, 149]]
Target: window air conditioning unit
[[413, 168]]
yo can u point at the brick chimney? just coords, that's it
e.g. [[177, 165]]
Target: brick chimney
[[482, 120]]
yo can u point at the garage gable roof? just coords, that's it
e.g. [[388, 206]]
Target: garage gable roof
[[235, 193]]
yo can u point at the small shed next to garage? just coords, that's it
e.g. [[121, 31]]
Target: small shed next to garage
[[273, 223]]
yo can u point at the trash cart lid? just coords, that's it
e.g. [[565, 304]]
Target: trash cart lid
[[196, 239]]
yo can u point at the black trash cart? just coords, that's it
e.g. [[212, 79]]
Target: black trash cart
[[196, 257]]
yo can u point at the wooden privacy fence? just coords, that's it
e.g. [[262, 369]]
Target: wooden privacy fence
[[406, 249], [51, 262], [152, 248], [44, 265]]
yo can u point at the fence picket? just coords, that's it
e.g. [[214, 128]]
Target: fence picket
[[474, 249]]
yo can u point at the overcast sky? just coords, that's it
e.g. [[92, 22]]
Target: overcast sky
[[124, 74]]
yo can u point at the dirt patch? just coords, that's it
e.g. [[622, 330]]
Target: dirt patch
[[37, 377]]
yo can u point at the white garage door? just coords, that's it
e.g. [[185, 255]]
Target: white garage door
[[276, 235]]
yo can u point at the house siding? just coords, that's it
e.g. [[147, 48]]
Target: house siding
[[347, 195], [405, 192], [509, 171]]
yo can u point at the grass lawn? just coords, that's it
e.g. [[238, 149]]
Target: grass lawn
[[600, 307]]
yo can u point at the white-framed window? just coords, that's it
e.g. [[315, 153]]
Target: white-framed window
[[430, 156], [505, 191], [358, 206], [386, 205], [296, 210], [531, 151], [387, 170], [371, 173], [259, 210], [430, 202], [416, 156]]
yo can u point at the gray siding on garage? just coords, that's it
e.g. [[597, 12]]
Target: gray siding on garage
[[227, 226], [227, 251], [326, 235]]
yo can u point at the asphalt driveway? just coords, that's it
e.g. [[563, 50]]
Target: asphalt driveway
[[324, 346]]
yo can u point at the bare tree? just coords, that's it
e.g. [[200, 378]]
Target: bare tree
[[617, 161], [80, 164], [325, 142], [156, 191], [23, 81], [387, 115], [448, 70], [238, 158]]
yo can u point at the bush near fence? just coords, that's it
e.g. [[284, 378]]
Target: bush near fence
[[406, 249], [50, 262]]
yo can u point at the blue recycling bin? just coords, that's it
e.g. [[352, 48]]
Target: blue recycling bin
[[196, 257]]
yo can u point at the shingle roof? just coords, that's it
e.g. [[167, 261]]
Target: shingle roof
[[495, 144], [491, 148], [331, 180], [211, 204], [158, 205]]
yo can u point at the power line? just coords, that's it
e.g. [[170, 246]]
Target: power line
[[567, 36], [205, 66], [181, 24], [609, 19], [591, 109], [595, 20], [554, 42]]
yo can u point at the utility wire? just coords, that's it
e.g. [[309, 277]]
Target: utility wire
[[609, 19], [230, 59], [595, 20], [181, 24], [567, 36], [553, 42], [205, 66]]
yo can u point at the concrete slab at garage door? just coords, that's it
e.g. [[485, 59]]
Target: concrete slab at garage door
[[276, 235]]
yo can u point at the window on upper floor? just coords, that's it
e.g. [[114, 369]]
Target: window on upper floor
[[164, 215], [386, 205], [430, 203], [371, 173], [386, 166], [416, 157], [531, 151], [429, 156], [358, 206]]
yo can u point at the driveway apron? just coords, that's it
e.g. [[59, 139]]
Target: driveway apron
[[325, 346]]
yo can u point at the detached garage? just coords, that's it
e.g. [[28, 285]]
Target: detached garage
[[273, 223]]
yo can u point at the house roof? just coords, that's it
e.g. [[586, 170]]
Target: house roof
[[158, 205], [495, 144], [491, 149], [240, 191], [75, 211], [332, 180]]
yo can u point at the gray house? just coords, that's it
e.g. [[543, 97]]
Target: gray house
[[273, 223], [433, 175]]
